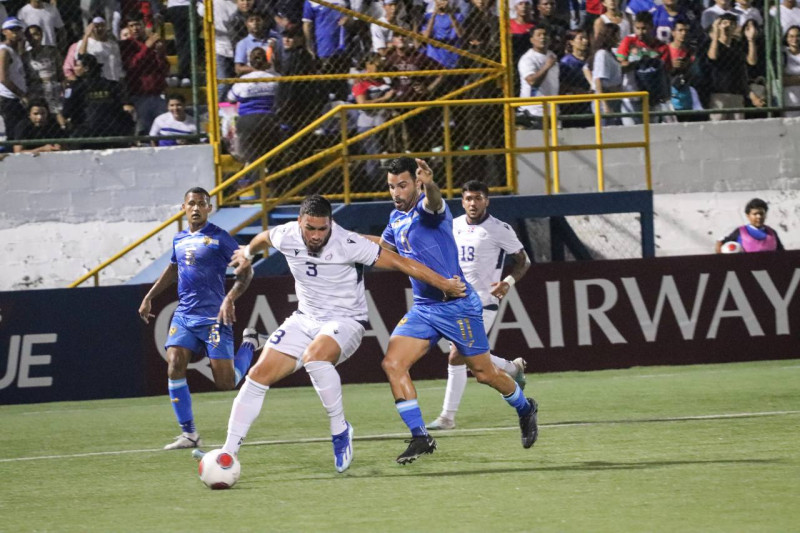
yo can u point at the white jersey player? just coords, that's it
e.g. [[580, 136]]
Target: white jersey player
[[483, 243], [329, 322]]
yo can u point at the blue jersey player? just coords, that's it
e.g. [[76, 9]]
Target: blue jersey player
[[202, 323], [421, 228]]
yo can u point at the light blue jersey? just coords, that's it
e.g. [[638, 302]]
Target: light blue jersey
[[428, 239], [202, 258]]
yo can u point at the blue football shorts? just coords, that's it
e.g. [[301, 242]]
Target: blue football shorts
[[201, 337], [459, 321]]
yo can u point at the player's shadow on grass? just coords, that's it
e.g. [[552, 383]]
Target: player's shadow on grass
[[596, 466]]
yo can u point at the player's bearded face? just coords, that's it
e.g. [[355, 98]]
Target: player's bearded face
[[315, 231], [475, 204], [403, 188]]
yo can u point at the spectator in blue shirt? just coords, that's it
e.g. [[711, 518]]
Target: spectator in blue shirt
[[444, 25], [257, 37], [326, 36]]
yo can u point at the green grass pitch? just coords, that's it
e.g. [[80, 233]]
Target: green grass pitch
[[696, 448]]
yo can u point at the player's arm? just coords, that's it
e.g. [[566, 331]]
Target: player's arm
[[242, 259], [521, 265], [167, 278], [734, 236], [380, 242], [433, 195], [452, 288], [227, 311]]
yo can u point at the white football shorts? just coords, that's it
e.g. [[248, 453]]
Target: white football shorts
[[297, 332]]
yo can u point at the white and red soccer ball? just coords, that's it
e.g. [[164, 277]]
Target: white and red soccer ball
[[731, 247], [219, 470]]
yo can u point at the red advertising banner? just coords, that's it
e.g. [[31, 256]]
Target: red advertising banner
[[568, 316]]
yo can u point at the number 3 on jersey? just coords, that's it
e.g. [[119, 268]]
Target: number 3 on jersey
[[312, 269], [467, 253]]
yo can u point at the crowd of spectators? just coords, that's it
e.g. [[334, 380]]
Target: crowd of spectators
[[687, 54]]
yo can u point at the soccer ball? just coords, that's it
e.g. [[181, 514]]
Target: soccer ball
[[731, 247], [219, 470]]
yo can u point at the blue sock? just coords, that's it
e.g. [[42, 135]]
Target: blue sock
[[182, 404], [412, 416], [242, 360], [518, 401]]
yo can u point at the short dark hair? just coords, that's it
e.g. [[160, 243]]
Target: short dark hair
[[176, 96], [38, 102], [316, 205], [755, 203], [644, 17], [543, 26], [403, 164], [198, 190], [475, 186]]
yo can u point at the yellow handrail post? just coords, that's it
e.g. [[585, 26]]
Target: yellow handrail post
[[548, 172], [345, 160], [509, 129], [214, 130], [646, 118], [448, 159], [554, 143], [598, 139]]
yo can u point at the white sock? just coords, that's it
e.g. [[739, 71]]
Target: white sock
[[505, 365], [328, 385], [245, 410], [456, 383]]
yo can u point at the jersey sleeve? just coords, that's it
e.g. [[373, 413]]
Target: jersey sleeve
[[624, 48], [174, 258], [732, 237], [227, 245], [388, 235], [507, 239], [429, 218], [276, 235], [361, 250]]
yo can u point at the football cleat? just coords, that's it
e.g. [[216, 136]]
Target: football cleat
[[253, 337], [442, 423], [519, 377], [528, 425], [417, 446], [184, 441], [343, 449]]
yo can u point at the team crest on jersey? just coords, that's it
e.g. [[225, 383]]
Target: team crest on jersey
[[402, 321], [328, 257], [172, 330], [206, 240]]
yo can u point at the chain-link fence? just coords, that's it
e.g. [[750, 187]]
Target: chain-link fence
[[100, 75]]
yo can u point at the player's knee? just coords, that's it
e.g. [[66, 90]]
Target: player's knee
[[391, 366], [224, 384], [485, 375]]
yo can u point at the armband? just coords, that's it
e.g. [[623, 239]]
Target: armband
[[510, 280]]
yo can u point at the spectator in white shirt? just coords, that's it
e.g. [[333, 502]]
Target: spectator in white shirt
[[790, 15], [538, 72], [606, 72], [46, 17], [714, 12], [746, 11], [97, 42], [174, 122], [382, 37]]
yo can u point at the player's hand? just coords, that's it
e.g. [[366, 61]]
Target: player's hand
[[424, 172], [500, 289], [144, 311], [239, 262], [227, 312], [455, 288]]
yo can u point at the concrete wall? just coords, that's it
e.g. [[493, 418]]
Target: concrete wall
[[62, 214], [747, 155]]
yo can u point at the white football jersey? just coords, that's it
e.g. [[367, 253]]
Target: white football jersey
[[482, 250], [329, 284]]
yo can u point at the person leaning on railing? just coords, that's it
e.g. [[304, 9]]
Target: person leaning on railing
[[39, 124]]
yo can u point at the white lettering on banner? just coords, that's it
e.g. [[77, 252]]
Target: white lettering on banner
[[668, 292], [584, 313], [774, 297], [742, 310], [554, 314], [13, 358], [523, 321], [378, 328], [160, 333], [262, 313], [24, 359]]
